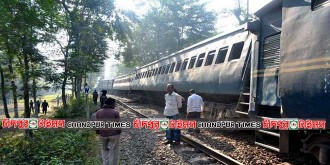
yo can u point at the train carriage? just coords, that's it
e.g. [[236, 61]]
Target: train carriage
[[277, 66]]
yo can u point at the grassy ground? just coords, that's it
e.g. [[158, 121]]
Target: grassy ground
[[51, 99], [92, 155]]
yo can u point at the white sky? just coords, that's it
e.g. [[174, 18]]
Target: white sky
[[223, 24]]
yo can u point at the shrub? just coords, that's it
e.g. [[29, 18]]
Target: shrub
[[76, 108], [47, 147]]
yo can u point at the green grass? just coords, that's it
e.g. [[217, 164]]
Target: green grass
[[49, 98]]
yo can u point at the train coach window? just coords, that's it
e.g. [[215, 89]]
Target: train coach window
[[209, 58], [200, 60], [167, 68], [163, 69], [236, 51], [192, 62], [184, 64], [159, 70], [172, 67], [178, 66], [221, 55], [156, 71], [317, 4]]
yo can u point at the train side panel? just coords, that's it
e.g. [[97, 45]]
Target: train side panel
[[305, 60]]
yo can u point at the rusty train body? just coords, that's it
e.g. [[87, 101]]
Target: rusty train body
[[277, 65]]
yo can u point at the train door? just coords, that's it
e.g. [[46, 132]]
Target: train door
[[267, 83], [266, 76]]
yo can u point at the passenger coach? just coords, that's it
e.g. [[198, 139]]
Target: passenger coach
[[276, 66]]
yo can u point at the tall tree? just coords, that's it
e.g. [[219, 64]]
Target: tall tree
[[240, 11], [88, 24], [26, 21], [169, 26], [3, 92]]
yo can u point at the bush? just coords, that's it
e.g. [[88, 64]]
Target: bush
[[76, 108], [47, 147]]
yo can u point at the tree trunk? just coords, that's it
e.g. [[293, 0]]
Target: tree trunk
[[73, 83], [3, 93], [78, 88], [34, 93], [13, 87], [27, 114], [26, 87], [65, 78], [63, 91]]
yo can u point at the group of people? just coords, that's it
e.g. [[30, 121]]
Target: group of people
[[44, 106], [103, 97], [173, 101]]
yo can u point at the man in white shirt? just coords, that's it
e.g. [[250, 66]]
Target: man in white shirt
[[194, 106], [172, 104]]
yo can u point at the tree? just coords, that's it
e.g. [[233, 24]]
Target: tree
[[88, 24], [25, 24], [169, 26], [240, 11], [3, 92]]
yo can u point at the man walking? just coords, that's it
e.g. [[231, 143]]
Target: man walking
[[44, 107], [194, 106], [172, 104], [109, 138], [103, 97], [95, 96]]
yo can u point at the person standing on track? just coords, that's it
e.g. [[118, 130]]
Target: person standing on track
[[194, 106], [109, 138], [44, 107], [172, 104]]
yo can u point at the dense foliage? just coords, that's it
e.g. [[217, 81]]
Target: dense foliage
[[76, 109], [47, 147]]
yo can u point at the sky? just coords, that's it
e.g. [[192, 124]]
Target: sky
[[223, 24]]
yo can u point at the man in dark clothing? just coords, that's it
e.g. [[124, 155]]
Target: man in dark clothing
[[103, 97], [44, 107], [109, 138], [31, 106], [95, 96]]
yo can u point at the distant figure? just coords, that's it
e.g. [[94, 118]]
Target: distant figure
[[194, 106], [44, 107], [103, 97], [31, 106], [172, 104], [58, 100], [110, 139], [95, 96], [86, 88]]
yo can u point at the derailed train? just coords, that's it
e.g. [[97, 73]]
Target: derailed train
[[276, 66]]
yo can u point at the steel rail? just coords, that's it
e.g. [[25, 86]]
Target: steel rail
[[205, 149]]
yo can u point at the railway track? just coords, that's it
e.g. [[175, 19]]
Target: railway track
[[216, 155]]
